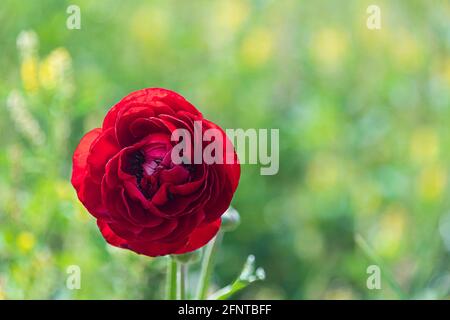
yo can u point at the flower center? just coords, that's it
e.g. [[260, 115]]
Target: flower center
[[135, 165], [153, 169], [146, 166]]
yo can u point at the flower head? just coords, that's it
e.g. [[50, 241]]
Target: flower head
[[144, 201]]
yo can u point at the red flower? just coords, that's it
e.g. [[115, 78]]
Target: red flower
[[125, 177]]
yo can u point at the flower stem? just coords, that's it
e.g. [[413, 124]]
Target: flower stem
[[171, 289], [182, 279], [207, 266]]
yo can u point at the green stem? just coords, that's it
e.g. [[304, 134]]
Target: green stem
[[182, 279], [171, 289], [207, 266]]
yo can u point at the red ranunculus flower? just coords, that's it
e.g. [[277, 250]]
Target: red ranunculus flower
[[125, 177]]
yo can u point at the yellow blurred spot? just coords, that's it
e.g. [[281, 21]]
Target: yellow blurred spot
[[25, 241], [231, 14], [407, 52], [64, 190], [341, 293], [55, 69], [257, 47], [29, 73], [424, 145], [329, 47], [392, 225], [2, 292], [445, 73], [323, 172], [431, 182], [149, 25]]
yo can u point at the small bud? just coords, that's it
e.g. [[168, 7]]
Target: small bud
[[189, 257], [230, 219]]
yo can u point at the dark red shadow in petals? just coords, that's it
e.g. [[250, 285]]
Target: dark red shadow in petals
[[143, 127], [140, 215], [161, 196], [176, 175]]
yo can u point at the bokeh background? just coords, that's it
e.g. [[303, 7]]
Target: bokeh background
[[364, 139]]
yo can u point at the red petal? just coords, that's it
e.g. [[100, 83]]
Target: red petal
[[201, 236], [102, 150], [154, 249], [80, 155], [153, 97], [123, 126], [110, 236]]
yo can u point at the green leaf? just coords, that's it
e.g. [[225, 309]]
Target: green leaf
[[247, 276]]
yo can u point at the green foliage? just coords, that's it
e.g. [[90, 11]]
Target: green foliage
[[364, 139]]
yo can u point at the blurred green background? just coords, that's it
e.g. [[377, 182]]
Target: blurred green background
[[364, 139]]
